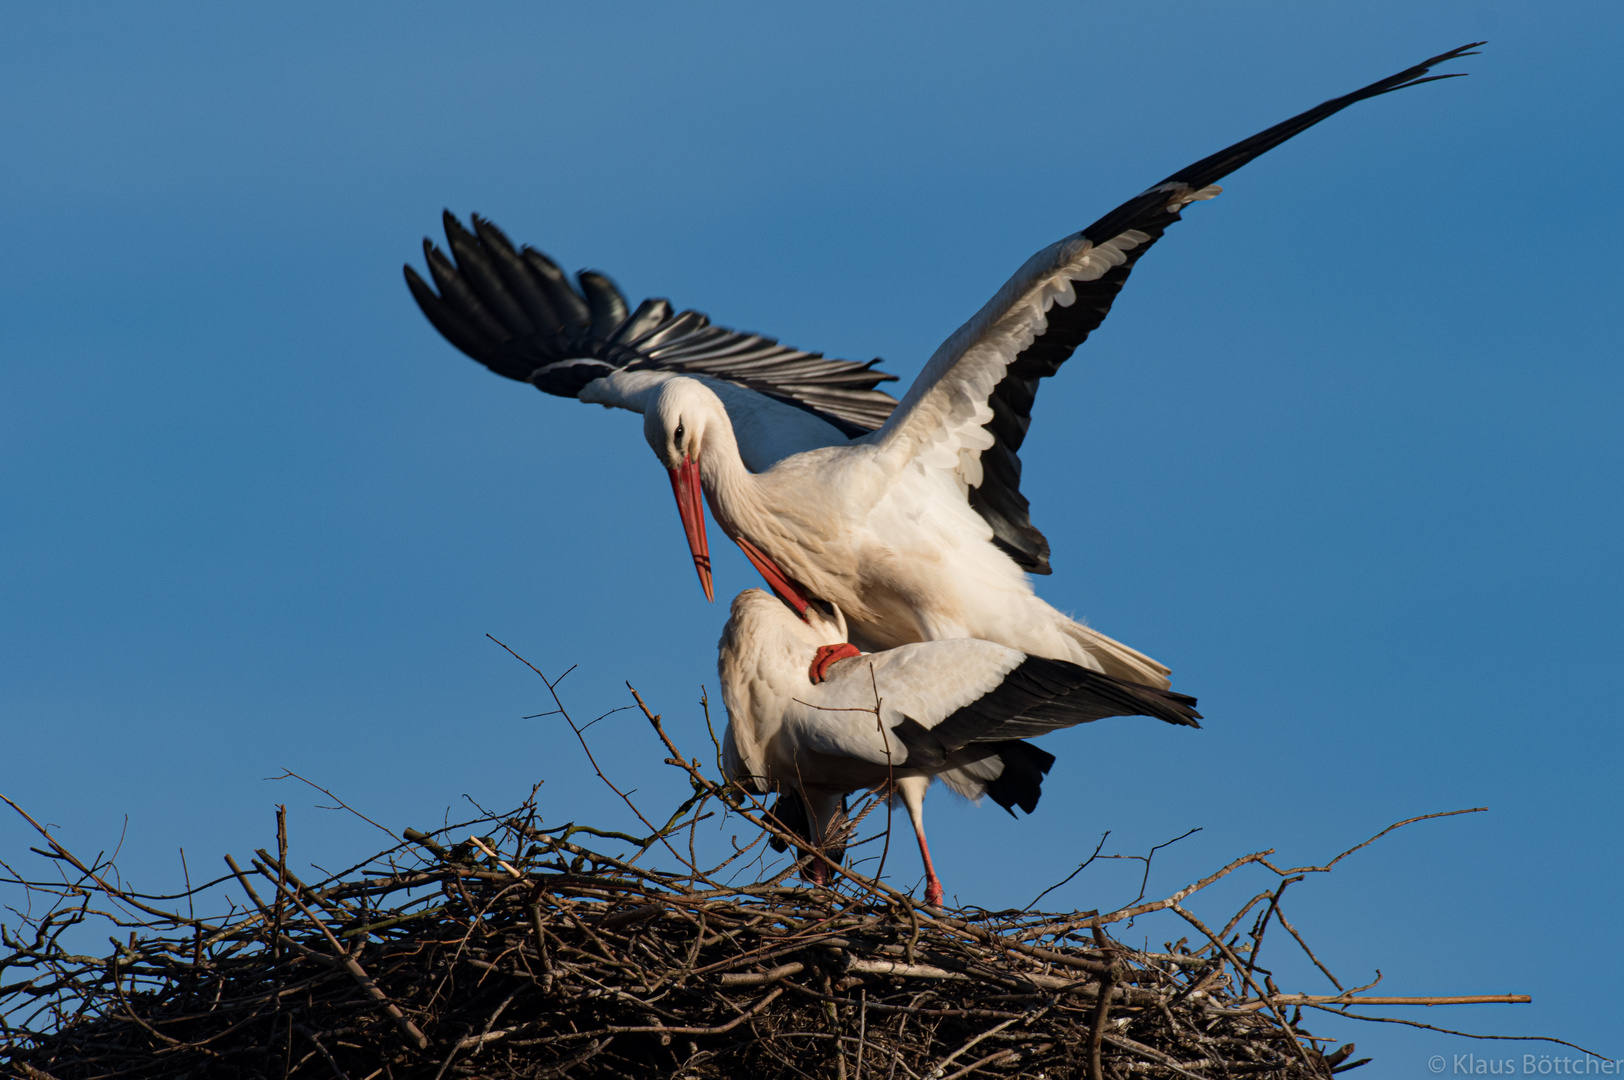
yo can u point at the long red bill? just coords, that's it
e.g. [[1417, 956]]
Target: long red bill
[[784, 585], [691, 505]]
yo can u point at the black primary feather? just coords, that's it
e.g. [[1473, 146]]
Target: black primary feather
[[998, 498], [518, 314]]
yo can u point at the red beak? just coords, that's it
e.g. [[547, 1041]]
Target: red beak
[[781, 582], [691, 505]]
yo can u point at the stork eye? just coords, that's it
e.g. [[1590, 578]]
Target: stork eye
[[679, 435]]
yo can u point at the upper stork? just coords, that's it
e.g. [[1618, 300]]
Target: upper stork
[[906, 517]]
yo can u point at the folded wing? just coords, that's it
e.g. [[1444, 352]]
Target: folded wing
[[1036, 697], [937, 698]]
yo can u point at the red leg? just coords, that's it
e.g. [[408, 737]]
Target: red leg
[[933, 884], [826, 657], [911, 789]]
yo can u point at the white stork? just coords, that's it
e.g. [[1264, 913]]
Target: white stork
[[893, 721], [909, 520]]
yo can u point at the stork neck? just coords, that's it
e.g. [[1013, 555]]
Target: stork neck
[[730, 487]]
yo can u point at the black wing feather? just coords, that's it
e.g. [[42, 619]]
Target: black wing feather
[[608, 306], [1021, 782], [445, 319], [649, 314], [1038, 696], [998, 499], [525, 288], [516, 312]]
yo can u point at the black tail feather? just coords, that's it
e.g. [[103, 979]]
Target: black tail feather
[[1021, 782]]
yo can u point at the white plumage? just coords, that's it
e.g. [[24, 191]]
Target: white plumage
[[882, 533], [897, 525], [918, 531], [905, 516], [895, 720]]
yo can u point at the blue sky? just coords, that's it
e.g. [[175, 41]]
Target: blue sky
[[1345, 454]]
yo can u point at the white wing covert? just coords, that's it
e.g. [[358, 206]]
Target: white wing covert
[[937, 697], [930, 680]]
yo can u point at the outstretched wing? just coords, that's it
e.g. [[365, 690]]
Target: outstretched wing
[[517, 313], [970, 407]]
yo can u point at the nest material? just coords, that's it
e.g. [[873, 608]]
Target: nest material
[[497, 948], [556, 960]]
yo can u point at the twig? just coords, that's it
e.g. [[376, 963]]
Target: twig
[[1461, 1034], [1292, 930], [288, 773], [1359, 847], [1349, 999]]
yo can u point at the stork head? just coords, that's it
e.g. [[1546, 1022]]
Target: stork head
[[762, 623], [675, 423]]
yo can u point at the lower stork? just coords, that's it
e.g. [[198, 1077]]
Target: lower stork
[[893, 721]]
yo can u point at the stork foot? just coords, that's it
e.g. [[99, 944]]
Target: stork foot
[[817, 872], [933, 891], [826, 657]]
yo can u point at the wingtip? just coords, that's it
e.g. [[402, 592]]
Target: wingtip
[[1421, 69], [1469, 49], [884, 376]]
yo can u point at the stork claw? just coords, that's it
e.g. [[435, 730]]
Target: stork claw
[[933, 893], [827, 656]]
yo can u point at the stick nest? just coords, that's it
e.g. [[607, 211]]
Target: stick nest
[[523, 954], [498, 948]]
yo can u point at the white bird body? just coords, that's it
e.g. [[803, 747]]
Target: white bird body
[[777, 716], [887, 538], [895, 720], [907, 517]]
